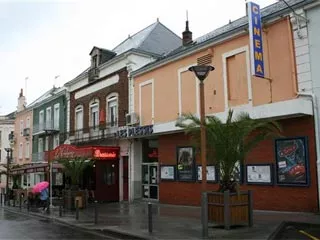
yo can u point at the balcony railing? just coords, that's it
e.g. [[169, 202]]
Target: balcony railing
[[26, 132], [40, 157], [45, 126], [92, 133]]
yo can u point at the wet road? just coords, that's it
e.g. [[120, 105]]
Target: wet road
[[16, 226]]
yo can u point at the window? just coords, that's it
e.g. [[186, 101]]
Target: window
[[56, 116], [27, 151], [41, 120], [56, 141], [21, 127], [79, 118], [28, 123], [94, 114], [95, 61], [40, 145], [112, 110], [48, 117], [46, 147], [0, 139], [20, 150]]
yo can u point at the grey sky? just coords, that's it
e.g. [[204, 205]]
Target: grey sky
[[41, 39]]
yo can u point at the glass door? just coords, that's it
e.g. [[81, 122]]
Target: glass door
[[150, 181]]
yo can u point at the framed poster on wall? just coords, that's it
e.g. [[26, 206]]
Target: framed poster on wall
[[211, 173], [185, 164], [259, 174], [292, 161], [167, 172]]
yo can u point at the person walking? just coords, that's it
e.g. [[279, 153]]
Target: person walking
[[44, 195]]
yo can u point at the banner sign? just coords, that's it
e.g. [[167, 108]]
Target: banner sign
[[255, 37]]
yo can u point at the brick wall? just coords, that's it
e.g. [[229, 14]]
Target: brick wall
[[121, 88], [274, 197]]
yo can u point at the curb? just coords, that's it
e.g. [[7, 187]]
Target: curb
[[105, 233]]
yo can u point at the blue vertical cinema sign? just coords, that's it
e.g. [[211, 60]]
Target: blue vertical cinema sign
[[255, 36]]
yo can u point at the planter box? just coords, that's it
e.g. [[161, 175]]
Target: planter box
[[70, 197], [228, 209]]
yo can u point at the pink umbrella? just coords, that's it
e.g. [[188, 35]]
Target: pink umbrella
[[39, 187]]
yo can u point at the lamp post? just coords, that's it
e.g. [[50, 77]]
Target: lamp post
[[9, 157], [201, 72]]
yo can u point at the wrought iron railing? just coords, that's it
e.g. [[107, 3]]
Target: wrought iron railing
[[45, 126]]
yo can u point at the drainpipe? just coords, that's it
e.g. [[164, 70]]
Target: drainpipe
[[316, 126]]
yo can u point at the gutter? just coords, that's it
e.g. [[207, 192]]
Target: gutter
[[317, 143]]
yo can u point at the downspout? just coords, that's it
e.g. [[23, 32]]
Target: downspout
[[316, 126]]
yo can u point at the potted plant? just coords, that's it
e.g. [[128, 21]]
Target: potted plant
[[228, 144], [73, 168]]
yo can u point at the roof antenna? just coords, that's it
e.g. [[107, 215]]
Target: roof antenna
[[187, 15], [157, 19]]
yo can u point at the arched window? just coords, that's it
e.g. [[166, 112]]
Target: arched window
[[112, 109], [78, 118], [94, 114]]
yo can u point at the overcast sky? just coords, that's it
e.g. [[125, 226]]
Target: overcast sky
[[42, 39]]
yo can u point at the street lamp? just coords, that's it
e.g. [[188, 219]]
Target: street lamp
[[201, 72], [9, 157]]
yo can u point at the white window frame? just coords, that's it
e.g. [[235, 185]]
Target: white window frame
[[46, 144], [20, 150], [48, 117], [27, 150], [56, 141], [94, 105], [56, 115], [112, 99], [79, 109], [21, 127], [41, 120], [40, 145]]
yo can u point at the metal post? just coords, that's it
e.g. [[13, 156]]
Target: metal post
[[150, 217], [226, 200], [5, 199], [1, 199], [204, 214], [77, 209], [250, 208], [28, 205], [203, 138], [60, 210], [20, 200], [95, 212]]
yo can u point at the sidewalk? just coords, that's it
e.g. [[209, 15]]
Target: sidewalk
[[169, 222]]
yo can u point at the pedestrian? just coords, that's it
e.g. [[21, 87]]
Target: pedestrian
[[44, 195]]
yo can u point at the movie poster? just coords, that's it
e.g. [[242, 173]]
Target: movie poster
[[185, 164], [292, 161]]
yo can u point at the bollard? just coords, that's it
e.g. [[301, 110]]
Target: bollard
[[1, 199], [77, 209], [150, 217], [60, 210], [204, 214], [95, 212], [20, 200], [14, 203], [5, 199], [28, 205]]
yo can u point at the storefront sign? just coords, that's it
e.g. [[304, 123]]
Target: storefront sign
[[255, 36], [104, 154], [135, 131], [70, 151]]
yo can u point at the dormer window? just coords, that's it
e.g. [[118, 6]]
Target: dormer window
[[95, 61]]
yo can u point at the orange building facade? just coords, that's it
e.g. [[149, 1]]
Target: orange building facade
[[162, 91]]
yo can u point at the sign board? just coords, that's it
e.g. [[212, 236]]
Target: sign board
[[135, 131], [255, 36]]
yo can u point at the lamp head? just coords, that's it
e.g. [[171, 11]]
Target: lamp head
[[201, 71]]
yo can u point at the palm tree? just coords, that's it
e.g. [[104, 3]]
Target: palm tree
[[74, 168], [229, 143]]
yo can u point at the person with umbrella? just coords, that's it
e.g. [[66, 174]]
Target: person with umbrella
[[42, 188]]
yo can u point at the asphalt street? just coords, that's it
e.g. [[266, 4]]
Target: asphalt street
[[16, 226]]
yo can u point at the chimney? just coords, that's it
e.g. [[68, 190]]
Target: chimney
[[186, 35], [21, 101]]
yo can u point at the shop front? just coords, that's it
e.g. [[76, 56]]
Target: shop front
[[102, 178], [281, 172]]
